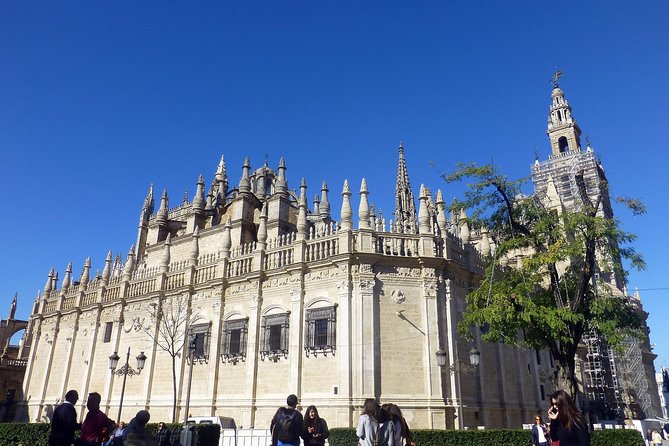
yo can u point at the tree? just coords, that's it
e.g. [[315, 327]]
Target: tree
[[538, 290], [172, 318]]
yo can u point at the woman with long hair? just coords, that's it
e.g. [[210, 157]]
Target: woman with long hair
[[374, 426], [567, 423], [403, 434], [315, 429]]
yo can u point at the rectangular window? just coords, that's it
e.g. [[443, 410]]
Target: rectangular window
[[108, 332], [543, 392], [538, 354], [274, 336], [233, 340], [320, 330], [197, 342]]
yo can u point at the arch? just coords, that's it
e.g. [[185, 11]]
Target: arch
[[274, 309], [319, 301], [234, 315], [563, 144]]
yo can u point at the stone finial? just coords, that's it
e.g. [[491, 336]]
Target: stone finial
[[260, 184], [346, 211], [363, 208], [486, 250], [221, 177], [227, 239], [54, 281], [302, 226], [281, 185], [423, 214], [67, 280], [195, 247], [129, 265], [147, 209], [245, 182], [162, 215], [317, 204], [637, 296], [165, 260], [48, 286], [465, 235], [441, 215], [324, 209], [106, 271], [199, 202], [262, 228], [85, 274]]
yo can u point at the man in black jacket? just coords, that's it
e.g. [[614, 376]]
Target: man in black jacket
[[64, 421], [286, 425]]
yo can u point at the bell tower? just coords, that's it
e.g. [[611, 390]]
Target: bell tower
[[563, 131]]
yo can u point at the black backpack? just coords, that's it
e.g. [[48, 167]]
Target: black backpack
[[285, 427]]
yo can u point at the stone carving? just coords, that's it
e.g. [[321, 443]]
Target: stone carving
[[399, 272], [136, 324], [397, 296], [366, 285], [246, 287]]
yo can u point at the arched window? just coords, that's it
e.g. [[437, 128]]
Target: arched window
[[563, 144]]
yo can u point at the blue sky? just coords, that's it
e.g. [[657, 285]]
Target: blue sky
[[100, 99]]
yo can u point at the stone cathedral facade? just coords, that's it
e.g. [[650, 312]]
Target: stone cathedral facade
[[288, 300]]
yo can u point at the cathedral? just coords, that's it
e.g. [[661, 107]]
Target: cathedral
[[227, 303]]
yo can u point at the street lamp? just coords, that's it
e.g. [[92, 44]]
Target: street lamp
[[125, 371], [459, 368], [187, 432]]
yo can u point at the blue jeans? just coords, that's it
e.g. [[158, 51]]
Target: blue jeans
[[281, 443]]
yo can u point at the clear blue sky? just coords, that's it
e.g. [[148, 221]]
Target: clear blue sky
[[100, 99]]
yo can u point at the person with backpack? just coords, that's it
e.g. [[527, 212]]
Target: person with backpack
[[375, 428], [286, 425]]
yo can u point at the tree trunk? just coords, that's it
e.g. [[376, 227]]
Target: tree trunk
[[174, 391]]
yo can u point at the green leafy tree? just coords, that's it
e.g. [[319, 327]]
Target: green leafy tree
[[538, 290]]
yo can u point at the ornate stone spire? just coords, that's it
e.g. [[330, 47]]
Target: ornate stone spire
[[221, 178], [405, 207], [67, 280], [363, 208], [147, 209], [161, 217], [199, 200], [281, 186], [302, 215], [464, 226], [563, 131], [227, 239], [441, 215], [129, 266], [346, 211], [106, 271], [245, 182], [423, 214], [85, 274], [324, 209]]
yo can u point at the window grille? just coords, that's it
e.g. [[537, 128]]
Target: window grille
[[108, 332], [202, 334], [234, 340], [274, 336], [320, 331]]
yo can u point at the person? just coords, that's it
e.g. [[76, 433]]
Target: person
[[64, 421], [116, 437], [567, 423], [539, 432], [137, 434], [162, 435], [403, 435], [374, 426], [96, 424], [286, 425], [315, 429], [656, 438]]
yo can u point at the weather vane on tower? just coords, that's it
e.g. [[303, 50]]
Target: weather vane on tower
[[556, 77]]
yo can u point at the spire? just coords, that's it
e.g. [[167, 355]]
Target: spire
[[281, 186], [221, 178], [67, 280], [563, 131], [12, 307], [199, 200], [464, 226], [441, 216], [161, 217], [485, 243], [302, 215], [363, 208], [324, 210], [317, 205], [129, 266], [346, 211], [405, 208], [106, 272], [423, 214], [85, 274], [245, 182], [147, 209]]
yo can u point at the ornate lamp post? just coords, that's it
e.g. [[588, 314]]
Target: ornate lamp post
[[125, 371], [192, 345], [458, 368]]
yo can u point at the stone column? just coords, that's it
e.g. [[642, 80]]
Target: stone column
[[295, 338]]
